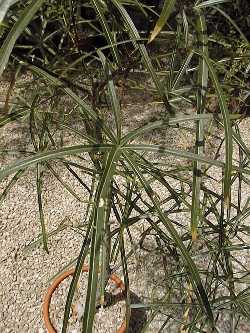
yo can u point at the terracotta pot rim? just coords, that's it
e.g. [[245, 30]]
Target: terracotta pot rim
[[55, 284]]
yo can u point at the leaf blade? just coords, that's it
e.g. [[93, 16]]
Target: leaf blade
[[16, 31], [167, 9]]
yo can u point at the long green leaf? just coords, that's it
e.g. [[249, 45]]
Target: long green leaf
[[79, 265], [51, 155], [9, 186], [39, 182], [175, 152], [105, 26], [202, 83], [4, 120], [16, 31], [97, 238], [210, 3], [159, 149], [126, 277], [115, 105], [162, 124], [167, 9], [182, 70], [4, 6], [227, 128]]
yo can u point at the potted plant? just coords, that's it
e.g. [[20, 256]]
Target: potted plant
[[121, 165]]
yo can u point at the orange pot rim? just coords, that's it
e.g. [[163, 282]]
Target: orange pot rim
[[55, 284]]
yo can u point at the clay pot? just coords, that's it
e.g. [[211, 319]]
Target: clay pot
[[46, 303]]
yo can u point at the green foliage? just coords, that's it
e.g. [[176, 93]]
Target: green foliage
[[82, 54]]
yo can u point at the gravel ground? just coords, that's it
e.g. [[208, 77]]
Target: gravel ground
[[26, 270]]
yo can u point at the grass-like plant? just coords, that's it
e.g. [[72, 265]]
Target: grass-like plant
[[66, 63]]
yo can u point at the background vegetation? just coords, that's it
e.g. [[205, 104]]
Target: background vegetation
[[194, 55]]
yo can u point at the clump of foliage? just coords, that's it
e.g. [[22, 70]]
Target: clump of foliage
[[80, 51]]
